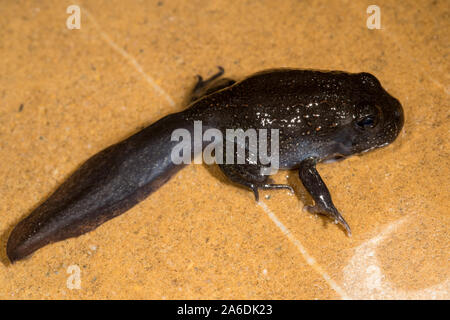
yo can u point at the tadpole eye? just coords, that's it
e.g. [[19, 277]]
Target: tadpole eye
[[367, 115], [367, 122]]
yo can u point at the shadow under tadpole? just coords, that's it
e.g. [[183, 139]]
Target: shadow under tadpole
[[299, 190], [214, 171], [294, 181]]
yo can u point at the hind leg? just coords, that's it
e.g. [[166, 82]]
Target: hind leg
[[210, 85], [251, 177]]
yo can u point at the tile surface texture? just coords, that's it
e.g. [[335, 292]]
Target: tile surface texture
[[67, 94]]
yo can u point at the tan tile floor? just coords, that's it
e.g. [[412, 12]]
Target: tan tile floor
[[198, 236]]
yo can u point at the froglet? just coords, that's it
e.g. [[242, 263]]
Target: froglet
[[321, 116]]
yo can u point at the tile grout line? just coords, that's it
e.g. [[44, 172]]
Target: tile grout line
[[309, 259], [440, 85], [130, 59]]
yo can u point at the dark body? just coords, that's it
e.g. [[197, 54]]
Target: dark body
[[320, 116]]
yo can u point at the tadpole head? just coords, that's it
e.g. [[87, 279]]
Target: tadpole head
[[378, 116]]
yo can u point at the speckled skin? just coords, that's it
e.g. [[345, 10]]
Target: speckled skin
[[315, 112], [321, 116]]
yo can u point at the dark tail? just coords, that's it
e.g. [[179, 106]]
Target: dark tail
[[104, 187]]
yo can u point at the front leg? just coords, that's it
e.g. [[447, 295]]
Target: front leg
[[319, 192]]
